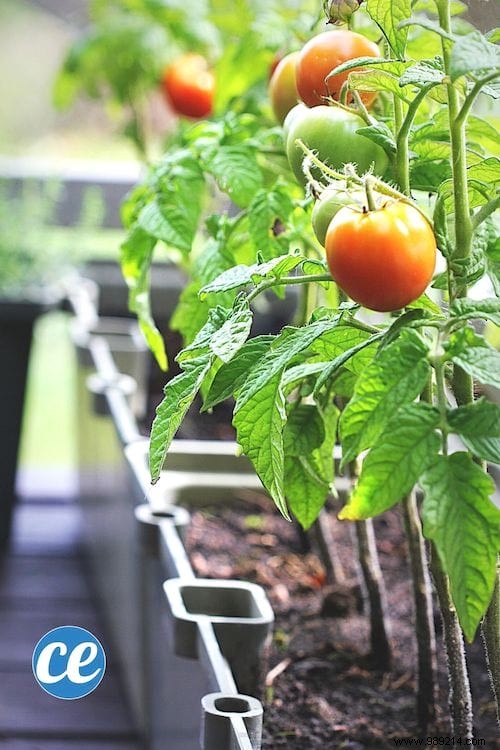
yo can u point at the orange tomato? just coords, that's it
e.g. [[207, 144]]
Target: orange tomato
[[189, 86], [383, 259], [324, 52], [283, 88]]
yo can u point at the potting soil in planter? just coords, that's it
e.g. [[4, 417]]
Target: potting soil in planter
[[322, 691]]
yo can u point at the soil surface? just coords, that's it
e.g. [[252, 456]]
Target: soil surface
[[322, 690]]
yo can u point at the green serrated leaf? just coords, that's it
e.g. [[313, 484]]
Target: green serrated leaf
[[396, 376], [338, 341], [229, 339], [259, 421], [179, 395], [423, 73], [242, 275], [463, 523], [304, 431], [169, 225], [289, 343], [473, 54], [308, 477], [236, 171], [342, 360], [136, 255], [388, 14], [230, 378], [478, 425], [268, 212], [382, 135], [375, 80], [425, 303], [409, 445], [416, 318], [475, 356], [441, 232], [468, 309], [428, 176], [486, 172], [492, 251]]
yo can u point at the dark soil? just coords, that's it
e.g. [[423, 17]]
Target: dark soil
[[322, 691]]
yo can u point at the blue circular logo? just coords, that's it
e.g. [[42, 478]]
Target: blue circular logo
[[68, 662]]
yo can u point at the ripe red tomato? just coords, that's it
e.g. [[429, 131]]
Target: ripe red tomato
[[283, 88], [383, 259], [189, 86], [324, 52]]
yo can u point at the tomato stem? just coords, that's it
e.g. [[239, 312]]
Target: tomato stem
[[288, 281], [490, 630], [379, 185], [370, 198]]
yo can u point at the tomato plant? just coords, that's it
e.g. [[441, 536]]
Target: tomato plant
[[382, 258], [332, 133], [189, 86], [399, 390], [322, 54], [283, 88]]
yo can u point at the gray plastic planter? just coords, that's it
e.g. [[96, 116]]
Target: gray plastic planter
[[181, 698], [210, 638]]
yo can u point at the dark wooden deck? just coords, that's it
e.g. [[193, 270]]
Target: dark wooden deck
[[43, 584]]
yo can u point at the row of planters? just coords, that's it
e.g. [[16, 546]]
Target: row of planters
[[376, 199]]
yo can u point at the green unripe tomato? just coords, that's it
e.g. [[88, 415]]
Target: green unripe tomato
[[331, 133], [327, 205], [295, 112]]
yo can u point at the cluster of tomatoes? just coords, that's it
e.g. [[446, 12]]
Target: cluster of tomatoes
[[382, 258]]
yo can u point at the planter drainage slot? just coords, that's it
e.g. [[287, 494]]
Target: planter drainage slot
[[240, 615], [224, 602], [231, 722]]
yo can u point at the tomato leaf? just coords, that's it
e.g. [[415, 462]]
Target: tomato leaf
[[304, 431], [463, 523], [380, 134], [467, 309], [478, 425], [136, 254], [407, 447], [440, 220], [376, 80], [473, 54], [308, 477], [231, 336], [425, 72], [179, 395], [260, 415], [259, 422], [231, 376], [342, 340], [341, 360], [236, 171], [191, 313], [268, 208], [475, 356], [196, 361], [243, 275], [492, 251], [396, 376], [388, 15]]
